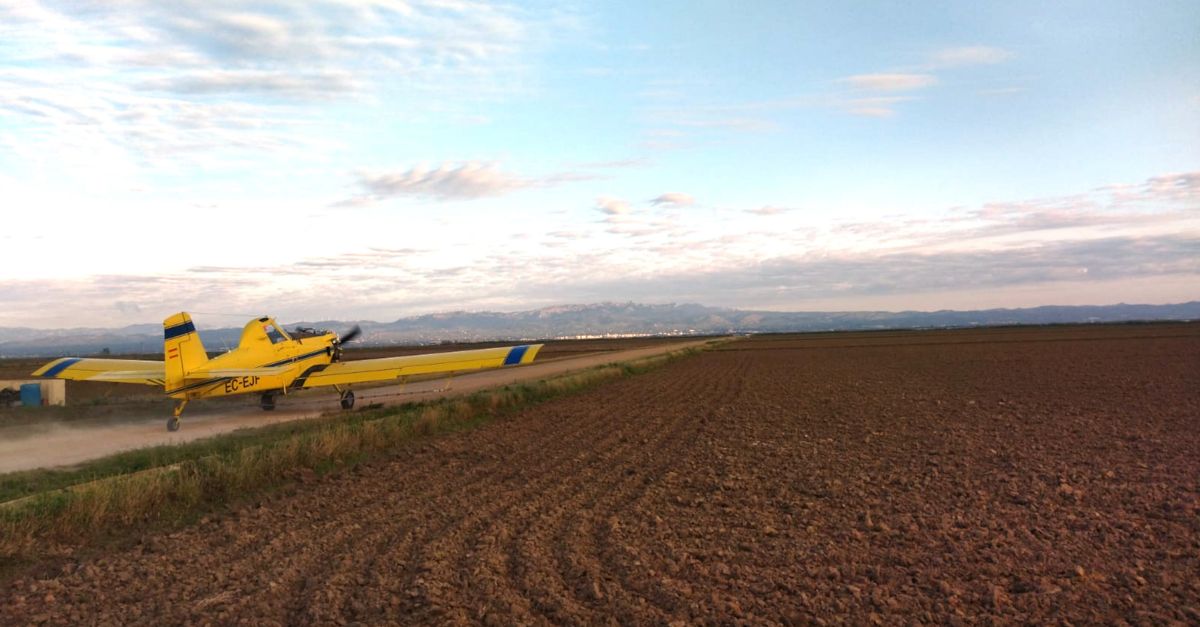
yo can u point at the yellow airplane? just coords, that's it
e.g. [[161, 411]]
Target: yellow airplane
[[269, 361]]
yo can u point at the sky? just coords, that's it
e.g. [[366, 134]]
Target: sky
[[371, 159]]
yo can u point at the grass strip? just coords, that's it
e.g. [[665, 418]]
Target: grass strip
[[169, 485]]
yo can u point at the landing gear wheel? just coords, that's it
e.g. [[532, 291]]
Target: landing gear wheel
[[268, 401], [173, 423], [347, 399]]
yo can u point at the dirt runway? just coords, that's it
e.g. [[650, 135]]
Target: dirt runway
[[942, 479], [50, 444]]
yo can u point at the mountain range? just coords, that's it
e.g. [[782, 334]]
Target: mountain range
[[593, 320]]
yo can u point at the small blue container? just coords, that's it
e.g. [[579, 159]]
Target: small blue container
[[31, 394]]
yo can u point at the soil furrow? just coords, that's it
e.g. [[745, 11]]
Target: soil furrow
[[925, 481], [475, 484], [614, 572]]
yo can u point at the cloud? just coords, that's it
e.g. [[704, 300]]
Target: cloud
[[1141, 234], [1165, 204], [1162, 192], [879, 106], [768, 210], [789, 279], [328, 85], [872, 112], [147, 80], [613, 206], [651, 230], [445, 182], [568, 235], [889, 82], [398, 251], [862, 94], [1170, 187], [969, 55], [573, 275], [673, 199], [450, 181]]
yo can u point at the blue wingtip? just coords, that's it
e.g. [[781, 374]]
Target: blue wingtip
[[514, 355], [60, 366]]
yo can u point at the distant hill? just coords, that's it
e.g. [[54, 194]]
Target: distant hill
[[602, 319]]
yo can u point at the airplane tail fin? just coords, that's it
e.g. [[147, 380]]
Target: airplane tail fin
[[182, 350]]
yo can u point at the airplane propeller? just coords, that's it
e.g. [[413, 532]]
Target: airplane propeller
[[348, 336]]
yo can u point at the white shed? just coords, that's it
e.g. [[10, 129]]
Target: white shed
[[54, 391]]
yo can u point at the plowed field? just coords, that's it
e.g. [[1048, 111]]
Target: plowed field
[[1039, 475]]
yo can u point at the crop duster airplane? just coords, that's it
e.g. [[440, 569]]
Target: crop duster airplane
[[269, 361]]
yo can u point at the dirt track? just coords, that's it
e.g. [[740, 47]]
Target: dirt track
[[773, 480], [42, 445]]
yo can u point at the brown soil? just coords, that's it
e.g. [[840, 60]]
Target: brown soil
[[946, 478]]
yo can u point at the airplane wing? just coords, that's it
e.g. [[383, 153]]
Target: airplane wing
[[109, 370], [386, 368]]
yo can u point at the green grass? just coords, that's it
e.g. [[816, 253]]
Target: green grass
[[169, 485]]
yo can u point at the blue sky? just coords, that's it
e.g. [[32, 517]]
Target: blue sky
[[373, 159]]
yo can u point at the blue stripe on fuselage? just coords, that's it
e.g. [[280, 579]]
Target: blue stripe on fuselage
[[515, 355], [60, 366], [200, 384], [295, 359]]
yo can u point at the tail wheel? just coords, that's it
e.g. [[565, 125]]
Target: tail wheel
[[268, 401], [347, 399]]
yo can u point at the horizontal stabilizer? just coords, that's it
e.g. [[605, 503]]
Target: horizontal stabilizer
[[109, 370], [154, 377]]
